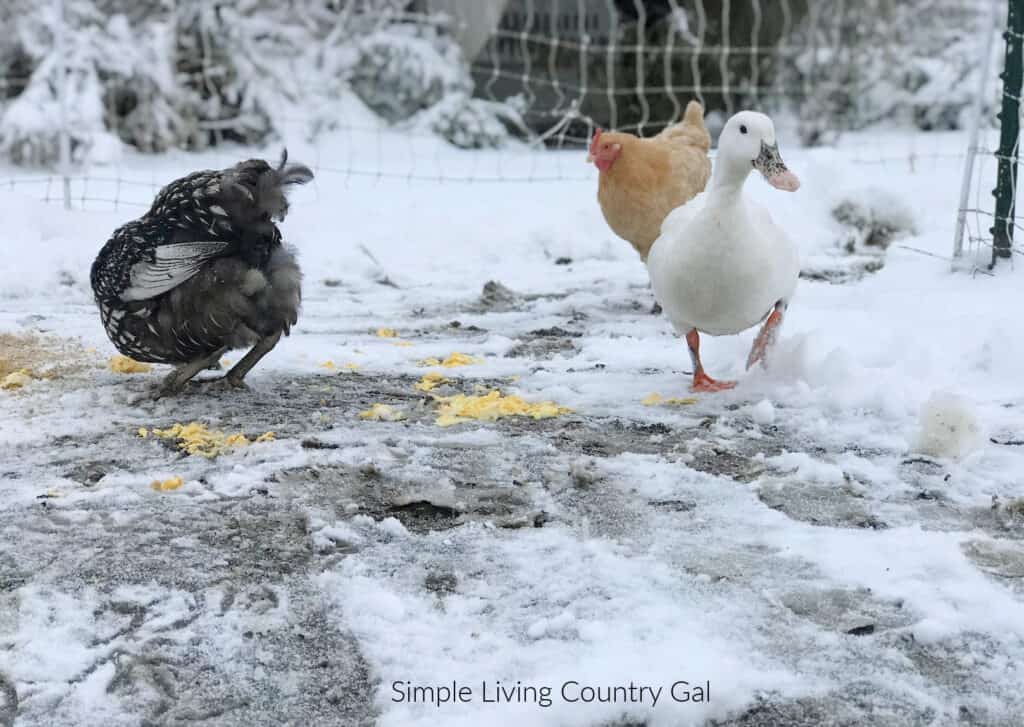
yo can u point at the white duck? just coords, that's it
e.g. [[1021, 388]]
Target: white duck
[[721, 265]]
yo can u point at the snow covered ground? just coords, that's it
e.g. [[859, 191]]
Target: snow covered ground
[[819, 545]]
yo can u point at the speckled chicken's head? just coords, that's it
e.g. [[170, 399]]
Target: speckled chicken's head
[[259, 191], [604, 150], [748, 141]]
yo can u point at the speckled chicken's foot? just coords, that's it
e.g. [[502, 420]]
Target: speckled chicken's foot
[[181, 375], [261, 349]]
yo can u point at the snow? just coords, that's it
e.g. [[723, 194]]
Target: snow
[[948, 427], [747, 540]]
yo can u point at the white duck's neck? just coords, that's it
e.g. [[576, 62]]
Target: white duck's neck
[[727, 180]]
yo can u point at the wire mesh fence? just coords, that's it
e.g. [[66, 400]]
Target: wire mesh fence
[[384, 89], [987, 219]]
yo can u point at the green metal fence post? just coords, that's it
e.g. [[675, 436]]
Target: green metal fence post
[[1009, 124]]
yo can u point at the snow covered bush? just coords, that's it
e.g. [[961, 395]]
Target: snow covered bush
[[872, 219], [417, 72], [31, 121], [191, 73], [120, 79], [910, 61], [401, 72], [472, 123]]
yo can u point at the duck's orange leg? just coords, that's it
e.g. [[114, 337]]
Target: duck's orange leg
[[701, 381], [766, 337]]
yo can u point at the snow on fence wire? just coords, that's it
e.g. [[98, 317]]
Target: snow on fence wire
[[987, 218], [385, 88]]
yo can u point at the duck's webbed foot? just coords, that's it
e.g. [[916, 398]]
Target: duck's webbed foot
[[767, 335], [701, 381], [704, 383]]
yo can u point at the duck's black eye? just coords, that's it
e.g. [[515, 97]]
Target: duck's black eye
[[743, 129]]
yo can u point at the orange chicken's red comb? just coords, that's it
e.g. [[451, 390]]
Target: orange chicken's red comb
[[597, 138]]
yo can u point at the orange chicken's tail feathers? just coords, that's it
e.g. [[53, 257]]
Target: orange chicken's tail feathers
[[691, 129]]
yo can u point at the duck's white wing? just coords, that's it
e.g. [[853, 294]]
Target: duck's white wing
[[779, 255], [681, 216]]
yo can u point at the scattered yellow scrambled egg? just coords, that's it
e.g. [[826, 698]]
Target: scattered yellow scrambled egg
[[431, 381], [163, 486], [225, 362], [387, 333], [656, 399], [125, 365], [353, 366], [16, 379], [197, 438], [492, 406], [453, 361], [382, 413], [329, 365]]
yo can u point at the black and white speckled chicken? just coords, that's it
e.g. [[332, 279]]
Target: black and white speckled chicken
[[203, 271]]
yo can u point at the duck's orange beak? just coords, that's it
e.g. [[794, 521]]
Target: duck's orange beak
[[776, 173]]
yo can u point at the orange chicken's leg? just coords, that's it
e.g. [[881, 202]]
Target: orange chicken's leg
[[701, 381], [766, 338]]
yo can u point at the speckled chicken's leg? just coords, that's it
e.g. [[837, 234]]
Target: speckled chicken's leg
[[766, 337], [181, 375], [261, 349]]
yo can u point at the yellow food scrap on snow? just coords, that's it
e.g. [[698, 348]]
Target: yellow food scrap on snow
[[16, 379], [125, 365], [143, 432], [656, 399], [431, 381], [492, 406], [54, 493], [382, 413], [267, 437], [453, 361], [163, 486], [329, 365], [225, 362], [197, 438], [387, 333], [353, 366]]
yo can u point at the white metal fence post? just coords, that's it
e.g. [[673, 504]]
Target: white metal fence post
[[63, 135], [972, 144]]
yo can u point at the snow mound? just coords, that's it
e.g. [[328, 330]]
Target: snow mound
[[949, 427]]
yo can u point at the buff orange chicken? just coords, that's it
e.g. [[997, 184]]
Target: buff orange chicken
[[642, 180]]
